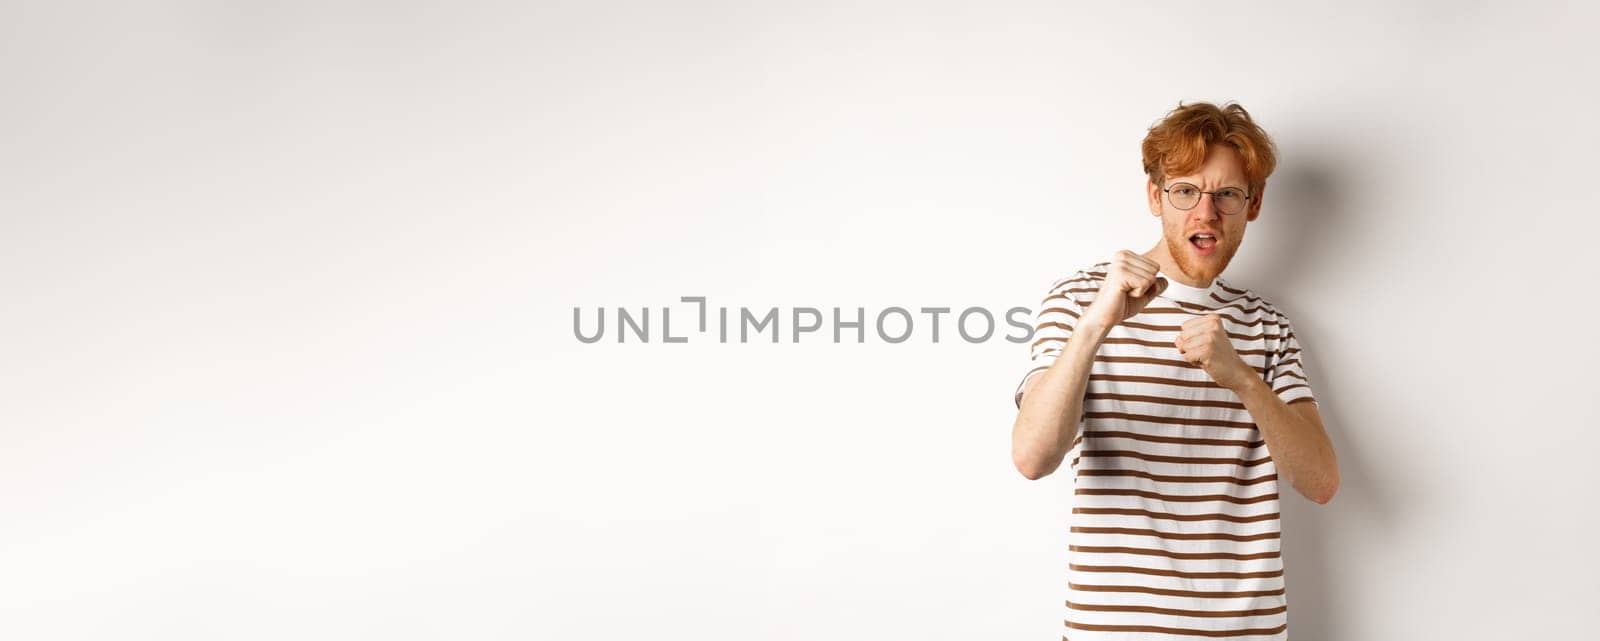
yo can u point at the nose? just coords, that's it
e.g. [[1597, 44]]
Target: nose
[[1206, 209]]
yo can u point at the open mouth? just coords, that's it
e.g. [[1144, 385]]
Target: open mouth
[[1203, 243]]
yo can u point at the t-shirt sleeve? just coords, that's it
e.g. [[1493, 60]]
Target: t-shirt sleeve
[[1287, 376], [1052, 326]]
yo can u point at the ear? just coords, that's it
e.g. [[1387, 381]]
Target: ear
[[1255, 204], [1153, 195]]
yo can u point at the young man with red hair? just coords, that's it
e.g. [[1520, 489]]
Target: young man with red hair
[[1182, 402]]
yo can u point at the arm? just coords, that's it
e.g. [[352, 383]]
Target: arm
[[1294, 433], [1296, 439], [1052, 404]]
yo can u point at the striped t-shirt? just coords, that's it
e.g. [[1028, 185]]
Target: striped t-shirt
[[1174, 524]]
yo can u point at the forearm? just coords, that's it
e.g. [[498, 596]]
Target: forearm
[[1300, 448], [1052, 404]]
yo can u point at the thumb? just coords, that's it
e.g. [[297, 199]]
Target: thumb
[[1155, 290]]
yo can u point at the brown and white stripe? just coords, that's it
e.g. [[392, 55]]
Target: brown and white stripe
[[1175, 515]]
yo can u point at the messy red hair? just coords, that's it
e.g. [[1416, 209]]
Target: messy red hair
[[1177, 144]]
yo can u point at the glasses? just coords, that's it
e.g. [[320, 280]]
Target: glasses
[[1228, 200]]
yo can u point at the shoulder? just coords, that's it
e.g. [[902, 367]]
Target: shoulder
[[1232, 293], [1275, 322], [1090, 274], [1095, 272], [1081, 284]]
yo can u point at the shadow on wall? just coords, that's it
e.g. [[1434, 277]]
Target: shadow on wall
[[1306, 196]]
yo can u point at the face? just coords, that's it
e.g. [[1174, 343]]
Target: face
[[1223, 168]]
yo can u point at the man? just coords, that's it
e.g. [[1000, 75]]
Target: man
[[1182, 402]]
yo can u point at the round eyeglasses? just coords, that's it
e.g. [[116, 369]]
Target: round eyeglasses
[[1228, 200]]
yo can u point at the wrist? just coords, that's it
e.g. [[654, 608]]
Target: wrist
[[1093, 326], [1252, 386]]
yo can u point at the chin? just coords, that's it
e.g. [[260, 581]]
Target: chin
[[1202, 269]]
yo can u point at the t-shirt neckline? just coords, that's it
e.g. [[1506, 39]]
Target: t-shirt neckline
[[1199, 295]]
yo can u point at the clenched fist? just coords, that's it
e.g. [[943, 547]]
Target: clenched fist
[[1204, 342], [1131, 283]]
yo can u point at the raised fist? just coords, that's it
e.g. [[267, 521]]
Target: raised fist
[[1130, 284]]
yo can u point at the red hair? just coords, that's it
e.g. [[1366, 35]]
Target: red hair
[[1177, 144]]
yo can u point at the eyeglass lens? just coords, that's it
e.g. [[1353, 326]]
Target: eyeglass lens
[[1228, 200]]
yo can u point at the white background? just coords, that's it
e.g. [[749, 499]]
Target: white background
[[288, 294]]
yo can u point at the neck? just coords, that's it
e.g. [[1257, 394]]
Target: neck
[[1169, 265]]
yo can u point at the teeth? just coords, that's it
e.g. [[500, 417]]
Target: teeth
[[1205, 236]]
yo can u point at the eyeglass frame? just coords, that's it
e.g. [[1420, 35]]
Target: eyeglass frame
[[1245, 206]]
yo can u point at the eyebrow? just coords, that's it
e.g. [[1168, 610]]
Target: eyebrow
[[1224, 186]]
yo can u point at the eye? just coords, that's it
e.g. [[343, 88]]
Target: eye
[[1185, 190], [1229, 192]]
